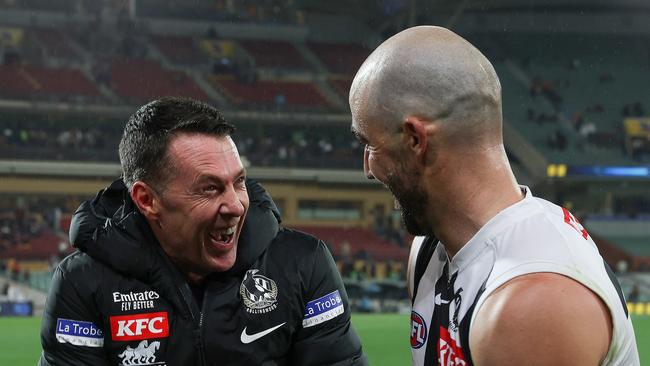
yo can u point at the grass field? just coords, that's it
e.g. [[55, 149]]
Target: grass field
[[385, 339]]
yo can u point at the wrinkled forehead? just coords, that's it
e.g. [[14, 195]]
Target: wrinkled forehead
[[198, 152]]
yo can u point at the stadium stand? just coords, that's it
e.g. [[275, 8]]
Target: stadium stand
[[340, 58], [34, 82], [179, 49], [141, 80], [271, 94], [53, 43], [275, 55], [363, 242]]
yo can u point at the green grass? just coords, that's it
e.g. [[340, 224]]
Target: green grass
[[385, 339]]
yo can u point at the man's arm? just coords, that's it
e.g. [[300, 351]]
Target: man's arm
[[327, 336], [541, 319], [70, 334]]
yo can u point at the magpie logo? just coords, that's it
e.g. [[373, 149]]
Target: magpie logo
[[259, 293]]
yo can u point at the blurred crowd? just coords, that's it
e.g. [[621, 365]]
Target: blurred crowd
[[283, 147]]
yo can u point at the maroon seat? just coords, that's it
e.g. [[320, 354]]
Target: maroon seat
[[275, 54], [41, 247], [179, 49], [33, 82], [264, 92], [360, 239], [140, 80], [340, 58]]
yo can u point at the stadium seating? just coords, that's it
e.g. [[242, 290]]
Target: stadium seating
[[141, 80], [34, 82], [41, 247], [361, 240], [264, 93], [585, 77], [341, 86], [179, 49], [53, 42], [340, 58], [275, 55]]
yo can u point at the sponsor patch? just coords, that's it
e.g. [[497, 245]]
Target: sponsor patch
[[418, 330], [143, 354], [323, 309], [79, 333], [259, 293], [449, 352], [135, 300], [139, 326]]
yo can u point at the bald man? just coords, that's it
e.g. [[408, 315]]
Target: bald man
[[496, 276]]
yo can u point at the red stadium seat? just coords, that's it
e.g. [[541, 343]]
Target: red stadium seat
[[179, 49], [264, 92], [360, 239], [31, 82], [275, 54], [340, 58], [140, 80]]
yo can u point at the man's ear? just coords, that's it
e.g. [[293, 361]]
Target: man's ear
[[146, 199], [417, 132]]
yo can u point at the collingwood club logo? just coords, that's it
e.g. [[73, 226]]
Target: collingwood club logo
[[143, 354], [259, 293]]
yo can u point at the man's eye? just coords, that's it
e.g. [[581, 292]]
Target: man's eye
[[241, 181], [210, 188]]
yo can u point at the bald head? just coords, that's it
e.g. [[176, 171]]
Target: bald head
[[433, 74]]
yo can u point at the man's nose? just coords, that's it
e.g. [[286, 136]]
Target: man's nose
[[231, 204], [366, 168]]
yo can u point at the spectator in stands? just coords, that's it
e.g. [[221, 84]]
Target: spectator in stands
[[557, 141]]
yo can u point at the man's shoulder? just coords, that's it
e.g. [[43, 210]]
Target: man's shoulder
[[79, 263], [299, 242]]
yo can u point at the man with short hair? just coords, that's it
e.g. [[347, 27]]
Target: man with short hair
[[184, 262], [496, 276]]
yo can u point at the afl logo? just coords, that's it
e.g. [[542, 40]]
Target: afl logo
[[418, 330], [259, 293]]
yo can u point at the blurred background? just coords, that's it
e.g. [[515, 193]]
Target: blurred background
[[576, 92]]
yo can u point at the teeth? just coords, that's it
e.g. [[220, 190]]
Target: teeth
[[229, 231]]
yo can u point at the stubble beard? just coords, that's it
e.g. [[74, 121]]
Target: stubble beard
[[412, 202]]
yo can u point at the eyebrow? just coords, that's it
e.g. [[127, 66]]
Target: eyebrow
[[209, 177]]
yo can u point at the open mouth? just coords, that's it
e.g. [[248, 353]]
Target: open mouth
[[223, 237]]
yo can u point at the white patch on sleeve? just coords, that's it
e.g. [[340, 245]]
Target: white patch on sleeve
[[323, 309], [79, 333]]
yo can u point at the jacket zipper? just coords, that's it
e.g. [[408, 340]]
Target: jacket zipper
[[200, 330]]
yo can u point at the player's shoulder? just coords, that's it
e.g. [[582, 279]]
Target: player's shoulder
[[521, 314]]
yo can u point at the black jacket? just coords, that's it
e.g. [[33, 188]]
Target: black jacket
[[118, 300]]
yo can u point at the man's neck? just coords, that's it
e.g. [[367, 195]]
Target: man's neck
[[468, 199]]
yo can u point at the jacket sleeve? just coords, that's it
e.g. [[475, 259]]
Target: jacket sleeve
[[70, 333], [327, 336]]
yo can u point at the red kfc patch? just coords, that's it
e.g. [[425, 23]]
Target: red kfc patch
[[139, 326], [449, 353]]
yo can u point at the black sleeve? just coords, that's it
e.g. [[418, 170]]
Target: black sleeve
[[67, 307], [327, 336]]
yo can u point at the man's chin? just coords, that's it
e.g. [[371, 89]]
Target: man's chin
[[223, 260]]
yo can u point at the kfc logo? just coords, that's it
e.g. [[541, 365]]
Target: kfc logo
[[139, 326]]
